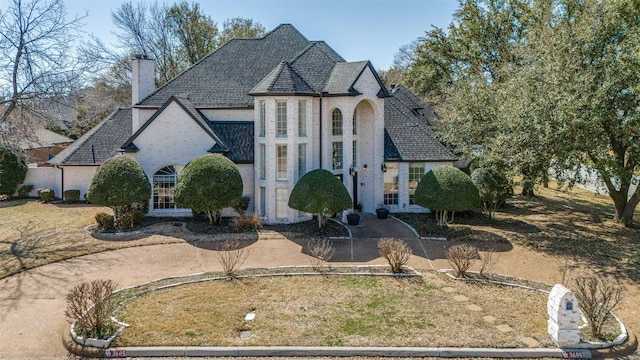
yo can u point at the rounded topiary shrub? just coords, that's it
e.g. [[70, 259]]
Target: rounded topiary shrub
[[209, 184], [71, 196], [320, 192], [446, 189], [119, 183], [13, 170]]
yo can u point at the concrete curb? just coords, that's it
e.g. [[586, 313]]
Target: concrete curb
[[284, 351]]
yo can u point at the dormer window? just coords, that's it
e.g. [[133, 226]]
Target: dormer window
[[336, 122]]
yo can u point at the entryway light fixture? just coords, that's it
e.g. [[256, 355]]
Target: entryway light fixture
[[364, 168], [352, 171], [383, 167]]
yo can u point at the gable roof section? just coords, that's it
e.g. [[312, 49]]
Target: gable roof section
[[190, 110], [224, 78], [408, 135], [99, 144], [345, 75]]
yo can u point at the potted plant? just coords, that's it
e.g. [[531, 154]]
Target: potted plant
[[354, 217], [382, 212]]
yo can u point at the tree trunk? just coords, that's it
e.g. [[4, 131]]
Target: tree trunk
[[623, 205], [527, 190]]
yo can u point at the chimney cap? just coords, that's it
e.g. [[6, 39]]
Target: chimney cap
[[141, 57]]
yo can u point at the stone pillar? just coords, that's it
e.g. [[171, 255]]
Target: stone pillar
[[564, 317]]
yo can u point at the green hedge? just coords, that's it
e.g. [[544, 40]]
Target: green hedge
[[13, 170], [446, 188], [71, 196], [46, 195]]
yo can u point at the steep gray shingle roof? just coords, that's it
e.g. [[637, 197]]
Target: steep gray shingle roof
[[224, 78], [408, 135], [343, 76], [100, 143], [238, 135], [282, 80]]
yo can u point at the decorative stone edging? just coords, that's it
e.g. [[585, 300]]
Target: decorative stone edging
[[619, 340], [97, 343]]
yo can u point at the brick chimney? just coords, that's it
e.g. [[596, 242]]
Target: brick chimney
[[142, 84]]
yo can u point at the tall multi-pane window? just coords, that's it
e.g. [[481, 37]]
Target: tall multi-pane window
[[263, 162], [355, 124], [302, 118], [281, 119], [164, 186], [416, 171], [302, 160], [262, 122], [336, 155], [263, 201], [336, 122], [281, 162], [354, 160], [281, 203], [391, 184]]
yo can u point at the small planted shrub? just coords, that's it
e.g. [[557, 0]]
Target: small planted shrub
[[461, 258], [71, 196], [231, 256], [91, 306], [244, 223], [24, 191], [105, 221], [321, 250], [488, 260], [242, 205], [597, 298], [396, 252], [46, 195]]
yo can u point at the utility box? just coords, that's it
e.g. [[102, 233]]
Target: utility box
[[564, 317]]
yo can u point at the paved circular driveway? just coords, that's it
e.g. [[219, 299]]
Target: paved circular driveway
[[32, 303]]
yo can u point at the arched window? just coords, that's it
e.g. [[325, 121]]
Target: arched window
[[164, 186], [336, 122]]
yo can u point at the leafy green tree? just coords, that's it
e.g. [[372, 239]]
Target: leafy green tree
[[543, 85], [120, 183], [320, 192], [209, 184], [446, 189], [582, 79], [494, 187], [240, 28], [13, 169], [196, 32]]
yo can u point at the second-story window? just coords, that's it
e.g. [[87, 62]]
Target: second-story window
[[336, 122], [302, 118], [262, 120], [355, 124], [281, 119], [281, 162]]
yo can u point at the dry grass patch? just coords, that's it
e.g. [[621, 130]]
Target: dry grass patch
[[34, 234], [334, 311]]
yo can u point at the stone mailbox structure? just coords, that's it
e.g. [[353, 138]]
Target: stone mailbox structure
[[564, 317]]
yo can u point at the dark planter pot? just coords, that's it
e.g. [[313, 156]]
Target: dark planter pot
[[353, 219], [382, 213]]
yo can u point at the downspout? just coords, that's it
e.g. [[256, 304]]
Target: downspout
[[320, 130]]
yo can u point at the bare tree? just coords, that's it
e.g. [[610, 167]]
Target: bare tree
[[91, 306], [597, 298], [36, 41], [321, 250], [231, 256]]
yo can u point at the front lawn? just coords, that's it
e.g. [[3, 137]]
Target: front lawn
[[336, 311]]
